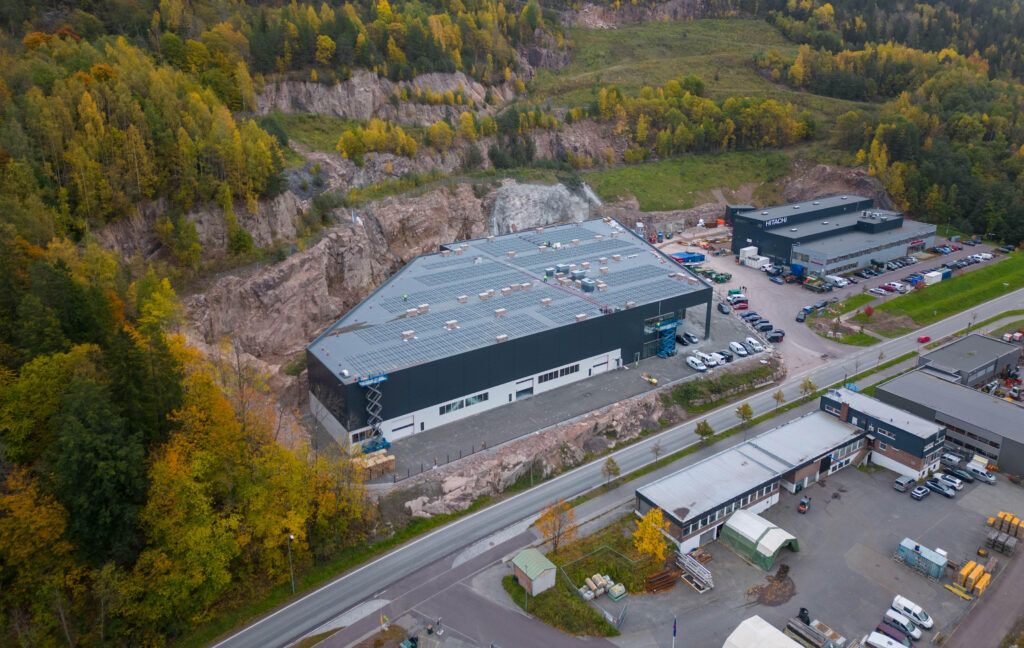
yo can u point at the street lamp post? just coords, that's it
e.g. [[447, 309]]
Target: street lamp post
[[291, 572]]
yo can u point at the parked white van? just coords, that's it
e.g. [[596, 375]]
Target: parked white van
[[879, 640], [981, 473], [902, 623], [912, 611]]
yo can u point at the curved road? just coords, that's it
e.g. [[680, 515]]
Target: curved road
[[291, 622]]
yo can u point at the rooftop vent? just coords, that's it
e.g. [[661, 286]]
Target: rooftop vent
[[423, 308], [490, 239], [546, 301], [511, 254], [458, 250], [792, 229], [578, 283], [408, 335], [451, 325], [631, 304], [540, 230], [464, 246], [514, 287], [491, 292], [616, 257], [598, 237], [462, 299], [796, 206], [526, 285], [564, 281], [506, 291], [549, 272], [344, 373], [602, 286], [411, 312], [588, 285], [585, 265], [603, 260], [816, 202], [581, 316], [500, 312], [764, 213], [541, 248], [575, 241], [484, 296], [842, 197], [616, 233], [446, 253], [824, 222], [603, 269], [501, 337]]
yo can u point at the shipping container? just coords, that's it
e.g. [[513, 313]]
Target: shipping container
[[797, 270], [932, 278], [946, 273], [748, 251]]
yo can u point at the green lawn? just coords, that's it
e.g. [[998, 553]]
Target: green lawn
[[650, 54], [856, 339], [851, 303], [681, 183], [960, 292], [1012, 327], [560, 608]]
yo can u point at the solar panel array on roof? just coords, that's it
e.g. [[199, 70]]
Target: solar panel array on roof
[[369, 339]]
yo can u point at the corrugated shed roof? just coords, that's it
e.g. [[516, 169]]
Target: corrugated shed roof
[[532, 563]]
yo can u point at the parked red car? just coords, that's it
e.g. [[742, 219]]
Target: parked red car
[[739, 306], [923, 338], [887, 288]]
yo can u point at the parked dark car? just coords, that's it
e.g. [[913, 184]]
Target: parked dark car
[[680, 340], [776, 336], [764, 326], [749, 315], [691, 338], [725, 354], [801, 316], [723, 309], [941, 488], [777, 280], [820, 305], [960, 474]]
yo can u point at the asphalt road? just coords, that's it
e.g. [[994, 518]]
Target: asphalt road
[[289, 623]]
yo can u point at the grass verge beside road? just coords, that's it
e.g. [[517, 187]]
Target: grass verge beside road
[[853, 339], [959, 293], [560, 608]]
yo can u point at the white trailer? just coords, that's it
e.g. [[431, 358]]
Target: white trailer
[[932, 278], [749, 251]]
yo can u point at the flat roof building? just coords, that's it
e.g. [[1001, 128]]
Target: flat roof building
[[829, 235], [972, 360], [900, 441], [485, 322], [976, 422], [697, 499]]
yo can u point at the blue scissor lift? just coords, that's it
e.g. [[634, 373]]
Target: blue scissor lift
[[667, 330]]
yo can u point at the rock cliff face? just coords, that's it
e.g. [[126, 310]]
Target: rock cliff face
[[595, 16], [807, 182], [275, 220], [278, 310], [366, 95], [518, 207]]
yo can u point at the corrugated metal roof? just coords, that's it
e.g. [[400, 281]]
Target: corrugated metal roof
[[532, 563]]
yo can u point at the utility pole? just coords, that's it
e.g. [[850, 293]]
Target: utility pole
[[291, 572]]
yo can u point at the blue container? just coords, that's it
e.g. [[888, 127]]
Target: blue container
[[946, 273], [797, 270]]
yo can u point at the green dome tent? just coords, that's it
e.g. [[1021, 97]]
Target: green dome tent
[[755, 538]]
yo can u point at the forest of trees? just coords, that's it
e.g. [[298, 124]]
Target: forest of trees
[[141, 484]]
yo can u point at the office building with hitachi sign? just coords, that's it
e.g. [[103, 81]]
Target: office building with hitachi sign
[[829, 235]]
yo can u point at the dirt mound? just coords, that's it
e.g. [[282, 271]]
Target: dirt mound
[[779, 589], [807, 182]]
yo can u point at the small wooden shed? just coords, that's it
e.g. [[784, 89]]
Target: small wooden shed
[[534, 571]]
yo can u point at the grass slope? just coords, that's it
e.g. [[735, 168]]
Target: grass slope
[[649, 54], [959, 292], [681, 183]]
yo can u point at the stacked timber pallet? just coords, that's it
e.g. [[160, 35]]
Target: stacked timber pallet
[[374, 464]]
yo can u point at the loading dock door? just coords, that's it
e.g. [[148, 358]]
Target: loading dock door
[[598, 368], [524, 388], [402, 428]]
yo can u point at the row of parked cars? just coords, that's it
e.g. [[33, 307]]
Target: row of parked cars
[[901, 623], [700, 361]]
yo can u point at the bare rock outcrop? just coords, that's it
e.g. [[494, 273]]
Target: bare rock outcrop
[[807, 182], [517, 207], [594, 16], [365, 95], [276, 219]]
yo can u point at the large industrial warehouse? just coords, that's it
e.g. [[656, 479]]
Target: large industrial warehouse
[[485, 322], [829, 235]]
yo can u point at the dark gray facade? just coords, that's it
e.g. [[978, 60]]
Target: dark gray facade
[[413, 388], [972, 360]]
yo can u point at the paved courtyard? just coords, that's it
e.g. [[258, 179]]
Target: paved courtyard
[[843, 573]]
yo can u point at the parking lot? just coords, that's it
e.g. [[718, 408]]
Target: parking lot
[[844, 572], [802, 348]]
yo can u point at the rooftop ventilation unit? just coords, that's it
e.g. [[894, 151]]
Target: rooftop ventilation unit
[[816, 202], [549, 272], [462, 299], [408, 335], [796, 206], [464, 246], [344, 373], [501, 337], [423, 308], [603, 260], [411, 312], [842, 197], [602, 286], [603, 269], [511, 254], [451, 325], [490, 239], [575, 241], [564, 281], [542, 248], [500, 312], [598, 237], [515, 287], [792, 229], [484, 296], [824, 222], [491, 292], [581, 316], [578, 274], [616, 233], [616, 257], [589, 285], [546, 301], [505, 292], [526, 285], [458, 251], [540, 230], [764, 213], [631, 304], [446, 253], [585, 265]]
